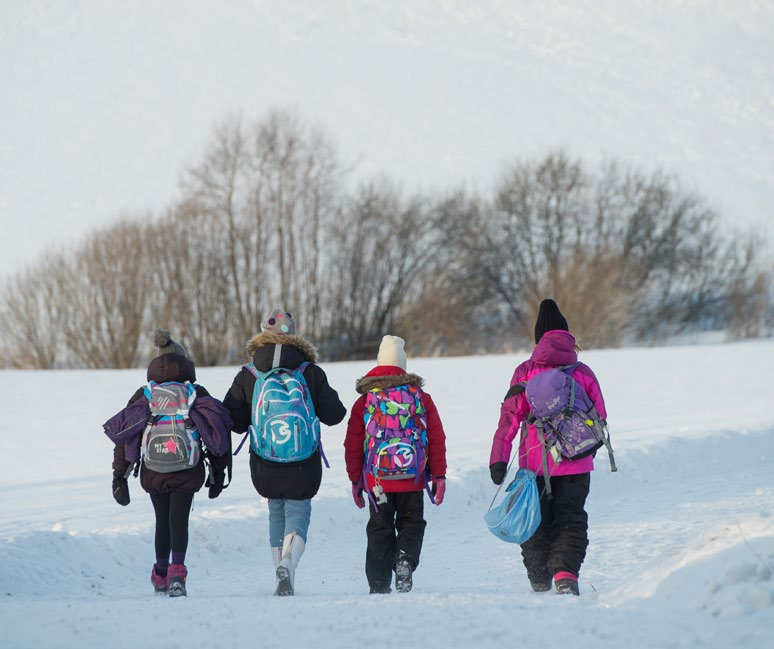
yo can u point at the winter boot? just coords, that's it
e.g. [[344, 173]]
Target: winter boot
[[403, 571], [567, 586], [276, 558], [540, 586], [292, 548], [160, 584], [177, 574]]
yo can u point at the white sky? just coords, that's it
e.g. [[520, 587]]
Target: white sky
[[104, 104]]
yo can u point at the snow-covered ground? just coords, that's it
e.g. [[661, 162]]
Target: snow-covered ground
[[105, 103], [682, 537]]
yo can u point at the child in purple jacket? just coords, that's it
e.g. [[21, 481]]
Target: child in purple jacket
[[558, 547]]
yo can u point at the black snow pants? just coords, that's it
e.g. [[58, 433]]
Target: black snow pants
[[397, 528], [560, 542]]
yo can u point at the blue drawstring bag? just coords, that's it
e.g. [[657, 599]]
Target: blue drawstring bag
[[517, 517]]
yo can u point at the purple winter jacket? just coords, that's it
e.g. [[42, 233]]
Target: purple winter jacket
[[556, 348], [210, 417]]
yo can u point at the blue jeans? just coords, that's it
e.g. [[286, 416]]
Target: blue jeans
[[286, 516]]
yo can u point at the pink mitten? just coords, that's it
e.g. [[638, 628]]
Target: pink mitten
[[439, 489], [357, 496]]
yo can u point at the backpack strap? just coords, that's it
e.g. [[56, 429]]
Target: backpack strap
[[514, 390], [544, 448], [608, 445], [250, 368], [301, 369]]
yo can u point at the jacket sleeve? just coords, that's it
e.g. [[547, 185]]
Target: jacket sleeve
[[327, 405], [129, 422], [201, 391], [212, 419], [140, 392], [120, 464], [239, 403], [354, 440], [512, 412], [436, 438]]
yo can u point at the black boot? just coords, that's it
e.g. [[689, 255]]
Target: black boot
[[403, 571], [567, 586]]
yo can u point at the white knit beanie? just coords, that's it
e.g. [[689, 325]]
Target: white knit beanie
[[391, 352]]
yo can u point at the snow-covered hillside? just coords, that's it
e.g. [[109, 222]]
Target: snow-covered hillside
[[104, 103], [682, 537]]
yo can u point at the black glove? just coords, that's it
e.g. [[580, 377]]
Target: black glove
[[121, 491], [497, 471], [215, 482]]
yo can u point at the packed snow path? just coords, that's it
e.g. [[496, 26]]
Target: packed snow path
[[682, 537]]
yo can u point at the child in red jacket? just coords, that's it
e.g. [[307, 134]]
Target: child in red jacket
[[395, 475]]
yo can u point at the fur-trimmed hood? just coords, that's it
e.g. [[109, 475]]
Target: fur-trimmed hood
[[384, 382], [265, 338]]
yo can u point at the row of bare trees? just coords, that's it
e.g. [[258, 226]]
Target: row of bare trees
[[266, 220]]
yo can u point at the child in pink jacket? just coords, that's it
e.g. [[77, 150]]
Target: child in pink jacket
[[558, 547]]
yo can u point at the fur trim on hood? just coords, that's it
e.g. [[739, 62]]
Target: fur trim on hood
[[269, 338], [366, 383]]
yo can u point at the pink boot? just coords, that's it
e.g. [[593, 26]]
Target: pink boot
[[161, 584], [177, 574]]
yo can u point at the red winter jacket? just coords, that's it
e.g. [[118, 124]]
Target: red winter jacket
[[384, 377]]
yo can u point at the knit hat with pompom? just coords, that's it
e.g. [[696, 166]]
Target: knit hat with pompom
[[163, 340]]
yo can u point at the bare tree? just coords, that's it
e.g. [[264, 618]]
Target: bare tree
[[30, 314], [219, 208], [296, 192], [386, 243], [104, 297]]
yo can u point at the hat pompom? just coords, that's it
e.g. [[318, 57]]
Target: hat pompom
[[166, 344], [161, 338]]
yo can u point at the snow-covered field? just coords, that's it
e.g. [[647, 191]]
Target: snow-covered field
[[104, 104], [682, 537]]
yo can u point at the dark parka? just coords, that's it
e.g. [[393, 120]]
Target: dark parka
[[291, 480], [167, 367]]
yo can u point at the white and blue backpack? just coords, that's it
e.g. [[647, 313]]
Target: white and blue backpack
[[170, 441], [283, 423]]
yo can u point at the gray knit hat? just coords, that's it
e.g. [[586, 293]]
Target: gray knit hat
[[279, 322], [163, 340]]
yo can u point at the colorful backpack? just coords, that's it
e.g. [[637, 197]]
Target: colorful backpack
[[284, 426], [568, 424], [170, 441], [395, 434]]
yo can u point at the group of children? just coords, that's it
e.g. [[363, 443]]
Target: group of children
[[390, 475]]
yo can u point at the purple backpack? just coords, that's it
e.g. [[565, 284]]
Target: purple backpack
[[568, 424]]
